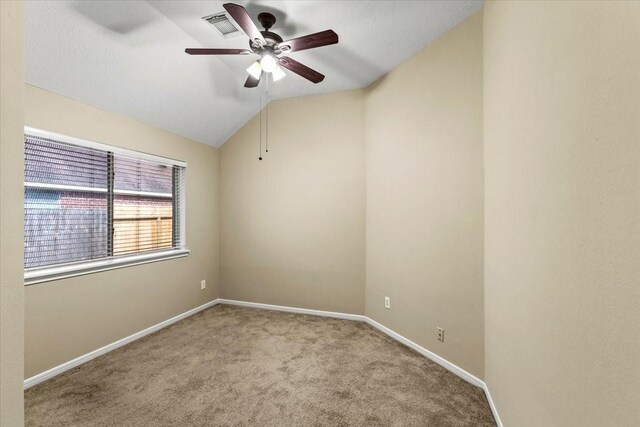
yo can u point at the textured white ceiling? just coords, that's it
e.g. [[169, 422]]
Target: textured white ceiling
[[128, 56]]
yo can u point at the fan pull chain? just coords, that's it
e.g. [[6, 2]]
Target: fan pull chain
[[267, 114], [260, 118]]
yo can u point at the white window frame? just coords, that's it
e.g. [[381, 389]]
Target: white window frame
[[36, 275]]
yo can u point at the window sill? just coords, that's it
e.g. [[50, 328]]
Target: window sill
[[47, 274]]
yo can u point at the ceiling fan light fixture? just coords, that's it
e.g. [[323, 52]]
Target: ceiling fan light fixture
[[278, 73], [255, 70], [265, 43], [268, 63]]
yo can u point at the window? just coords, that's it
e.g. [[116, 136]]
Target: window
[[90, 207]]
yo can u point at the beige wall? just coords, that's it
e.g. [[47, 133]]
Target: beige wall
[[425, 197], [293, 225], [71, 317], [562, 254], [11, 171]]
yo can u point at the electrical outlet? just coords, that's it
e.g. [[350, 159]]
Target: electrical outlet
[[440, 334], [387, 303], [203, 284]]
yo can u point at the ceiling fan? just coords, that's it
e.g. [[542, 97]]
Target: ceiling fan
[[270, 47]]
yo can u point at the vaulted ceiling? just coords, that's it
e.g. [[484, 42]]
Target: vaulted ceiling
[[128, 56]]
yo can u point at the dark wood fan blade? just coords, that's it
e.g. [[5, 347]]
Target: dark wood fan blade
[[240, 15], [323, 38], [252, 81], [301, 69], [205, 51]]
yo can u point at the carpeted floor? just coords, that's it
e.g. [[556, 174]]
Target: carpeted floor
[[231, 366]]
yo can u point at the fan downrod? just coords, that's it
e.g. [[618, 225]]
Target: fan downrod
[[266, 20]]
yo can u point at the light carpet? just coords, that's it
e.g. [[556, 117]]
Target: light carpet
[[232, 366]]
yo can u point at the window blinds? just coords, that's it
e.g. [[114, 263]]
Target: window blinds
[[143, 210], [87, 203]]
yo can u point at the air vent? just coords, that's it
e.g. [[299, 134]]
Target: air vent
[[222, 23]]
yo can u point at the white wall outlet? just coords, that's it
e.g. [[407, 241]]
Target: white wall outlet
[[440, 334], [387, 302], [203, 284]]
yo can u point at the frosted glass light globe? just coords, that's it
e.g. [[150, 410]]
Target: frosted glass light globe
[[268, 63], [255, 70], [278, 74]]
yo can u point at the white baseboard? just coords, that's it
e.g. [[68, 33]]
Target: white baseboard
[[428, 354], [43, 376], [492, 405], [288, 309], [36, 379]]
